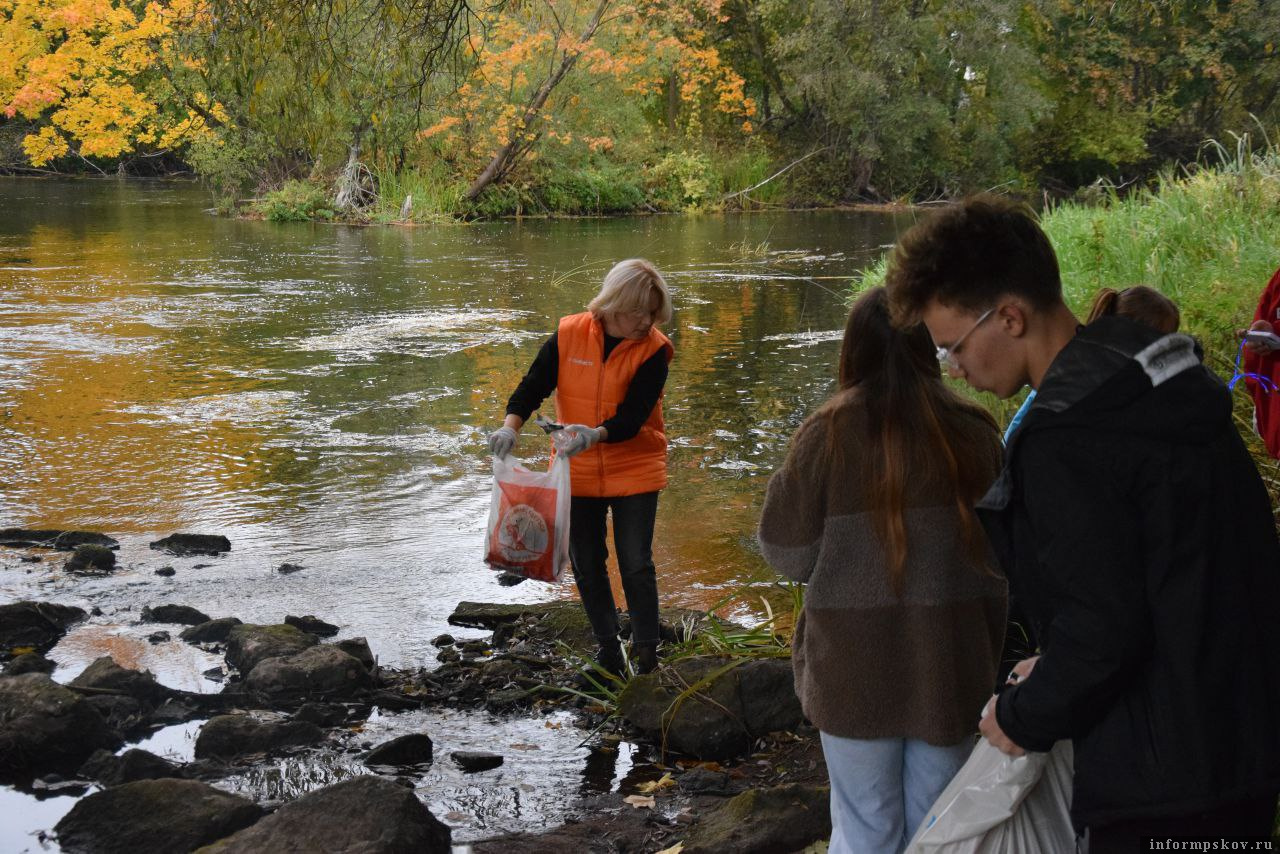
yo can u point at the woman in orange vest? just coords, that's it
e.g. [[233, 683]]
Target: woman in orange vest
[[607, 367]]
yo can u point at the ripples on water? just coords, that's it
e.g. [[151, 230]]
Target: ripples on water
[[321, 394]]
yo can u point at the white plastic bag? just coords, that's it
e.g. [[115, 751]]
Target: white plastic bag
[[999, 804], [528, 530]]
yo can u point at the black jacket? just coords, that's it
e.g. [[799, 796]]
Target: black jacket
[[1140, 544]]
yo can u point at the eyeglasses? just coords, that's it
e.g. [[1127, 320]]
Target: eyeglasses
[[947, 355]]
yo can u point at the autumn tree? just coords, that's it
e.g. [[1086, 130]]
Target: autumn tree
[[89, 74]]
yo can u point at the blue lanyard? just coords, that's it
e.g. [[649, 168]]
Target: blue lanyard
[[1267, 385]]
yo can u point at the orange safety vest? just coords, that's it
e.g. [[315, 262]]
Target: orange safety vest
[[589, 391]]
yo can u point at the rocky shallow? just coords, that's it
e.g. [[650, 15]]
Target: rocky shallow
[[735, 767]]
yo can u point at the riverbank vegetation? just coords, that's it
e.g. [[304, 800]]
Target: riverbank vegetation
[[410, 110], [1207, 235]]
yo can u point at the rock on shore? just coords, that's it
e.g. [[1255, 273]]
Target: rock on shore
[[153, 816], [44, 726], [34, 626]]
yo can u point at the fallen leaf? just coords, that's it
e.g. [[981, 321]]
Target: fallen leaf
[[666, 781], [674, 849], [640, 801], [456, 816], [524, 746]]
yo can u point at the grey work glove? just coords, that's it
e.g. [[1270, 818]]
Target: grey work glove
[[502, 441], [581, 437]]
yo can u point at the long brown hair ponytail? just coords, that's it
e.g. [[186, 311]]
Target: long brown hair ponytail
[[911, 417]]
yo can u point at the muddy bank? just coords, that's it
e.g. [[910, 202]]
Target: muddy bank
[[729, 764]]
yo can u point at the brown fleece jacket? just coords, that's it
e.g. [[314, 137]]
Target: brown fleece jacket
[[869, 664]]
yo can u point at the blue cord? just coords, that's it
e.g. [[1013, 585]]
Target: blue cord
[[1267, 385]]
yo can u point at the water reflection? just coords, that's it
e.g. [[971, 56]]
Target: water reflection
[[320, 394]]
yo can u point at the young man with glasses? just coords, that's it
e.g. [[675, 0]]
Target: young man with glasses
[[1138, 538]]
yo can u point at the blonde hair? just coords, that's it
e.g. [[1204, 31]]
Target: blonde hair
[[628, 287]]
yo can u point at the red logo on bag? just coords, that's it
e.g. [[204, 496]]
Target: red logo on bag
[[521, 540], [522, 534]]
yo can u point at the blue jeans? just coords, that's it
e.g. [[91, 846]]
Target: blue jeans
[[633, 518], [881, 789]]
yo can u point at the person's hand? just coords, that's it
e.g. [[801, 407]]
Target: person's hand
[[1261, 348], [1022, 669], [502, 441], [991, 731], [581, 437]]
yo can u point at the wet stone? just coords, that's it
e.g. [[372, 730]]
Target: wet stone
[[249, 644], [44, 725], [53, 538], [154, 815], [34, 626], [449, 655], [182, 614], [318, 672], [214, 631], [104, 674], [700, 781], [357, 648], [229, 736], [366, 814], [412, 749], [475, 760], [158, 637], [31, 559], [182, 545], [134, 764], [312, 625], [166, 572], [443, 641], [31, 662], [322, 714], [90, 559], [289, 568]]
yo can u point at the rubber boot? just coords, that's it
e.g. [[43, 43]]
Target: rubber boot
[[646, 658]]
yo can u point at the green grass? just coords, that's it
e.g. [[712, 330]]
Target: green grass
[[1206, 235]]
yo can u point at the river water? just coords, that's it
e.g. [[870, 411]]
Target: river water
[[320, 394]]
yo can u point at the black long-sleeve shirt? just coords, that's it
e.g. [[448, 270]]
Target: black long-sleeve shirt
[[642, 395]]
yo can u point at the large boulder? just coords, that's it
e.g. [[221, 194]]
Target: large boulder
[[183, 545], [34, 626], [47, 538], [44, 726], [214, 631], [762, 821], [713, 707], [103, 675], [249, 644], [317, 673], [153, 816], [364, 815], [182, 614], [229, 736]]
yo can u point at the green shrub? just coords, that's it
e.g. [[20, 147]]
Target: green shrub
[[682, 180], [229, 163], [296, 201]]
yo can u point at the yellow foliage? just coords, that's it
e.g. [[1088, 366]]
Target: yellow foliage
[[86, 71], [641, 45]]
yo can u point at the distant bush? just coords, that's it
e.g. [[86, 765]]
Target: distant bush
[[296, 201]]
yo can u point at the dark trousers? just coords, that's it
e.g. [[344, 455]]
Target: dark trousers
[[1252, 817], [633, 517]]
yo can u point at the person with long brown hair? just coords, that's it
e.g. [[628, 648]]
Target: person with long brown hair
[[901, 633]]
